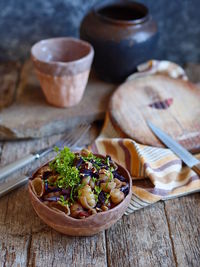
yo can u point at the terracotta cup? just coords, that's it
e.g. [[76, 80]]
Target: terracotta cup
[[82, 227], [62, 66]]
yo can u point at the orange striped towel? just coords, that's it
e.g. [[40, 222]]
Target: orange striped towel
[[157, 173]]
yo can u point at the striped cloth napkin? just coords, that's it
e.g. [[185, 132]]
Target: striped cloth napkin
[[157, 173]]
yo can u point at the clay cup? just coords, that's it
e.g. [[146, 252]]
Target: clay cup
[[62, 66]]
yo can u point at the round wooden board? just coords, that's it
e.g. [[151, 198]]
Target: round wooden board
[[171, 104]]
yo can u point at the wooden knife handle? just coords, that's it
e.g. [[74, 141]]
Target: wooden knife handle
[[196, 168]]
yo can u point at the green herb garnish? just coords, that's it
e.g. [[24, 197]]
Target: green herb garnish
[[63, 165], [111, 169], [107, 198], [62, 201], [94, 179], [90, 156], [109, 179], [97, 189], [97, 160], [80, 186], [108, 161], [96, 166], [63, 159], [96, 197]]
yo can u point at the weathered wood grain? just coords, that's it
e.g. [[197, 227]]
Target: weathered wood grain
[[53, 249], [9, 75], [183, 216], [17, 219], [26, 240], [141, 240], [16, 224], [9, 256]]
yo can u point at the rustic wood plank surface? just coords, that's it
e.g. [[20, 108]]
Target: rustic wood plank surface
[[141, 239], [165, 234], [9, 77], [183, 219]]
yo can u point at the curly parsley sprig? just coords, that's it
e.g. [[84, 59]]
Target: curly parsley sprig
[[63, 165]]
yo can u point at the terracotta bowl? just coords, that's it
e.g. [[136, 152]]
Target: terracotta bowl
[[81, 227], [62, 66]]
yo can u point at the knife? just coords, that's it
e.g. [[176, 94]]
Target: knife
[[179, 150]]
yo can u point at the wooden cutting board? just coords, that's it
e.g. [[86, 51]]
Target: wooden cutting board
[[172, 105], [28, 115]]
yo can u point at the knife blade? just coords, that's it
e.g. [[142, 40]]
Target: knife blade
[[179, 150]]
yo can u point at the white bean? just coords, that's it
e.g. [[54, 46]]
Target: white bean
[[116, 196], [86, 197], [107, 187], [105, 175]]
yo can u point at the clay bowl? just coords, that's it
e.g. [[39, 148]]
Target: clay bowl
[[81, 227], [62, 66]]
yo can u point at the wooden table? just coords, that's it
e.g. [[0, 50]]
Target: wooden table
[[165, 234]]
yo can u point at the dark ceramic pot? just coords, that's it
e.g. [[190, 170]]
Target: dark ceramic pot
[[123, 35]]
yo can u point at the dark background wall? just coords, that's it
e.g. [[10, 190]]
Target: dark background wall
[[23, 22]]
